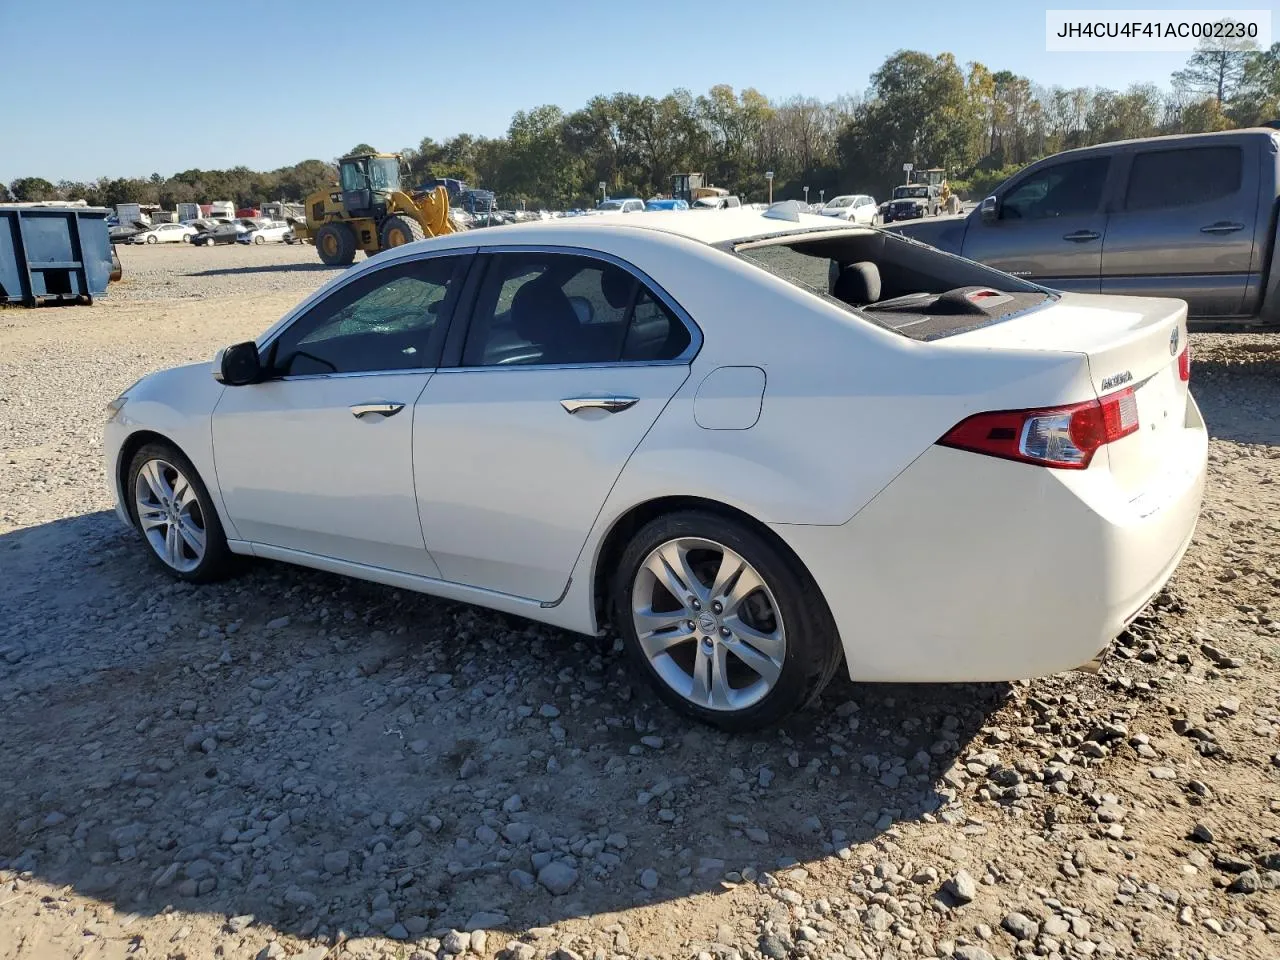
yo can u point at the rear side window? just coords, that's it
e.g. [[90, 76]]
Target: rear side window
[[1181, 178], [552, 308]]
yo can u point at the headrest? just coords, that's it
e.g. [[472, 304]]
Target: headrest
[[542, 314], [617, 286], [858, 284]]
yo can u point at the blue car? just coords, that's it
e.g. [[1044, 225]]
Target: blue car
[[666, 205]]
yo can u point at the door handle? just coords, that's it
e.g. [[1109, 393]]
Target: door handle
[[1082, 236], [361, 410], [607, 404], [1222, 226]]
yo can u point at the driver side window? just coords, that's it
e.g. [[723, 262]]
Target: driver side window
[[1067, 189], [389, 319]]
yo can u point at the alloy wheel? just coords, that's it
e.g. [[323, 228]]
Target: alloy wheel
[[169, 515], [708, 624]]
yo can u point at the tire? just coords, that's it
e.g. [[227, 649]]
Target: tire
[[186, 238], [152, 239], [398, 230], [154, 482], [336, 244], [258, 240], [793, 642]]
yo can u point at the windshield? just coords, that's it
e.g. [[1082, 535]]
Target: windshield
[[839, 202], [707, 202], [384, 173], [910, 192], [609, 205]]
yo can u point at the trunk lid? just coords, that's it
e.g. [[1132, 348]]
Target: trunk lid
[[1130, 343]]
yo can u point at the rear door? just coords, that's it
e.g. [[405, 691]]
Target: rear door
[[1050, 226], [568, 361], [1185, 227]]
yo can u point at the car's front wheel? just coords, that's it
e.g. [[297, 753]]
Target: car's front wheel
[[173, 511], [151, 240], [727, 625]]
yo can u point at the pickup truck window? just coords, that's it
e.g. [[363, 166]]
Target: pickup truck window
[[1066, 189], [1180, 178]]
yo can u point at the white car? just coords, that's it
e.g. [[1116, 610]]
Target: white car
[[276, 231], [165, 233], [856, 208], [735, 439]]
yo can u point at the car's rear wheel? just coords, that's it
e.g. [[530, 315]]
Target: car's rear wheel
[[727, 626], [173, 511]]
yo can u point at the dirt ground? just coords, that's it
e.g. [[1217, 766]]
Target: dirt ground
[[292, 764]]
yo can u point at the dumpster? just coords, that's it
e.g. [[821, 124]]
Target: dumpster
[[53, 253]]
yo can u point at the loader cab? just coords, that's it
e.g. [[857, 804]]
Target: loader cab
[[367, 181]]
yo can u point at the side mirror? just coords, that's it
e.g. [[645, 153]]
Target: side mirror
[[990, 210], [238, 365]]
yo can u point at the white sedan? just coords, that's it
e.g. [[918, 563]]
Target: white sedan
[[165, 233], [275, 231], [739, 441], [856, 208]]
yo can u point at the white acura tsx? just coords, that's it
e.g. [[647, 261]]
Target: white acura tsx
[[754, 444]]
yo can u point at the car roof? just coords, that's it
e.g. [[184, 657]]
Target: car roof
[[733, 225]]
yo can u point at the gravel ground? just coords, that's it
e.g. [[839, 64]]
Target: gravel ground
[[292, 764]]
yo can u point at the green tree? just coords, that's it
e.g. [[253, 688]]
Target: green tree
[[5, 195], [29, 189], [1216, 72]]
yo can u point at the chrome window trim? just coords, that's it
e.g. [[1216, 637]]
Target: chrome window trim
[[685, 357], [354, 373], [350, 275]]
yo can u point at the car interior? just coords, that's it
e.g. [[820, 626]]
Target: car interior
[[566, 310], [903, 286]]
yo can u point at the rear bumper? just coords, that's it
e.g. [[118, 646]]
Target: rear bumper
[[970, 568]]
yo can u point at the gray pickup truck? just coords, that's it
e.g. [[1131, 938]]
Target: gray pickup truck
[[1191, 217]]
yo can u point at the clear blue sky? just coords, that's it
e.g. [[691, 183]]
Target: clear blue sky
[[93, 88]]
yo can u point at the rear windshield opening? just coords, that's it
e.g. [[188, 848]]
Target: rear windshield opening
[[906, 287]]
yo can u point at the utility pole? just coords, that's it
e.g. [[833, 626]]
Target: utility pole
[[769, 176]]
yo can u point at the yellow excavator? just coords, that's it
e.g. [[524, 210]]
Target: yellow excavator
[[369, 210]]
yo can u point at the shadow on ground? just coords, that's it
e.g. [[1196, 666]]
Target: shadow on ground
[[354, 766], [268, 268], [1239, 400]]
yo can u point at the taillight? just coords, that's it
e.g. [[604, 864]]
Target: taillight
[[1184, 364], [1063, 437]]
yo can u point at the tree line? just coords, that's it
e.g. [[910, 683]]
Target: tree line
[[978, 124]]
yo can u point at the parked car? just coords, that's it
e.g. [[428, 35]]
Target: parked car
[[742, 540], [1191, 217], [620, 205], [716, 203], [165, 233], [912, 201], [856, 208], [666, 203], [271, 231], [125, 232], [225, 232]]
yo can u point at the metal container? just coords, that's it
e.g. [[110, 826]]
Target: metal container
[[53, 253]]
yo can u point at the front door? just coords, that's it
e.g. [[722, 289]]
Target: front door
[[1050, 227], [318, 457], [568, 362]]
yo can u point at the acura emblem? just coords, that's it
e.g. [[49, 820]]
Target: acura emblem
[[1173, 341]]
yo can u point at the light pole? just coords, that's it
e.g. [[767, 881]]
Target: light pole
[[769, 176], [806, 196], [603, 186], [822, 196]]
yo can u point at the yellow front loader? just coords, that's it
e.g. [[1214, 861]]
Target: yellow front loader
[[368, 210]]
